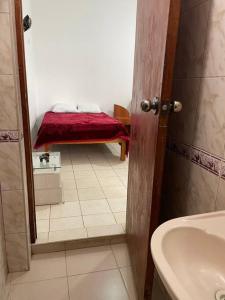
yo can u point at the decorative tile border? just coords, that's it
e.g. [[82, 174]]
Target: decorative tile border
[[9, 136], [208, 161]]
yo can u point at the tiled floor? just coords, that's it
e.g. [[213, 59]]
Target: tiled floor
[[98, 273], [94, 182]]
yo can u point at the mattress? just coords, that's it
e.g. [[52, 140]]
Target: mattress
[[79, 127]]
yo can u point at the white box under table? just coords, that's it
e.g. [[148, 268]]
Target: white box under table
[[47, 179]]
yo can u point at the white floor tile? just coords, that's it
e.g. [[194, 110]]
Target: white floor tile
[[65, 235], [120, 217], [67, 175], [80, 167], [115, 191], [42, 212], [129, 282], [68, 184], [43, 266], [118, 204], [81, 261], [122, 255], [70, 195], [105, 285], [87, 182], [42, 237], [106, 230], [92, 173], [84, 174], [66, 223], [91, 207], [94, 193], [121, 172], [101, 166], [105, 173], [56, 289], [66, 209], [78, 160], [110, 181], [42, 226], [98, 220], [67, 168]]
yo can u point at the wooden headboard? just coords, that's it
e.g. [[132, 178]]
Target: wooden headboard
[[121, 114]]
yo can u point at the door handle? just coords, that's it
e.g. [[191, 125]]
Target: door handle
[[153, 105], [173, 106], [176, 106]]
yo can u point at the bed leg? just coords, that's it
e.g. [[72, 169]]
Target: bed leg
[[46, 148], [123, 151]]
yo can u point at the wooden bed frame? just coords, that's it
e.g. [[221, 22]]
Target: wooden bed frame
[[119, 141], [121, 114]]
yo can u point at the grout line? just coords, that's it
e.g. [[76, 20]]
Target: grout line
[[124, 283], [67, 279], [92, 272], [40, 280]]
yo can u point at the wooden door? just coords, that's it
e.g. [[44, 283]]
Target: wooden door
[[156, 35]]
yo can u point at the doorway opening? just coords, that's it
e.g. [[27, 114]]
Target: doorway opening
[[78, 71]]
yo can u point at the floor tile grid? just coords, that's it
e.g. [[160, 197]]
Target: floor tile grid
[[101, 186], [67, 159], [105, 195], [69, 293], [79, 201], [121, 275]]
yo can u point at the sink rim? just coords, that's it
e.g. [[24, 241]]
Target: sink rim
[[166, 273]]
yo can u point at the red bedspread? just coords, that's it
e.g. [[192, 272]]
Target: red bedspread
[[64, 127]]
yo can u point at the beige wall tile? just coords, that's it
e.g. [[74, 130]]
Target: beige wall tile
[[11, 179], [220, 199], [10, 162], [3, 262], [215, 59], [191, 41], [182, 124], [201, 191], [210, 122], [14, 211], [8, 112], [6, 62], [17, 252], [190, 188], [4, 6]]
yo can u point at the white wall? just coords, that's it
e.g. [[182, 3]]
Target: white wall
[[83, 51], [30, 70]]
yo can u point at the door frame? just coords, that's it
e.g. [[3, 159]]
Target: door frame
[[25, 117]]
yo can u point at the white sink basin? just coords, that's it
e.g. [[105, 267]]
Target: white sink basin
[[189, 255]]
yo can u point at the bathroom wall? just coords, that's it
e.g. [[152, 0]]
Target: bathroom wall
[[12, 170], [82, 51], [195, 162], [4, 286]]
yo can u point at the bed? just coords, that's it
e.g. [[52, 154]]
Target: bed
[[81, 128]]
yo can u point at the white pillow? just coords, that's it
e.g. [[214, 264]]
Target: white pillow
[[64, 108], [88, 108]]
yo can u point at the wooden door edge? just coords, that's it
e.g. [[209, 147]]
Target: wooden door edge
[[25, 117], [172, 34]]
